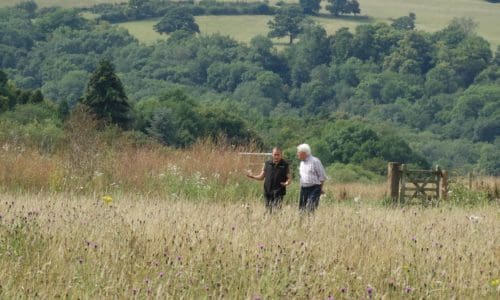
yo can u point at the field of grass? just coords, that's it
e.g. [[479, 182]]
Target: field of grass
[[63, 245], [431, 16], [241, 28], [107, 216]]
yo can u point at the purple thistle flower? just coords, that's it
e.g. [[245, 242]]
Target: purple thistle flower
[[408, 289], [343, 290], [369, 290], [414, 239], [161, 274]]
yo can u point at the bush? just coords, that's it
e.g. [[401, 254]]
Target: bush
[[460, 195], [351, 173]]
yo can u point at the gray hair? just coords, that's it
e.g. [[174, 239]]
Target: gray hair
[[304, 148]]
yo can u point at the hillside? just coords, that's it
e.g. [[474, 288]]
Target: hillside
[[362, 96]]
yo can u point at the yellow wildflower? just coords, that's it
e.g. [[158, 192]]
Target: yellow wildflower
[[107, 199], [495, 282]]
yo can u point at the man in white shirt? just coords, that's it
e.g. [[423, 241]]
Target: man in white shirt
[[312, 177]]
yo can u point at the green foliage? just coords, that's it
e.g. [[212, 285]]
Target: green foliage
[[405, 23], [344, 173], [310, 7], [489, 160], [68, 89], [29, 6], [177, 120], [476, 113], [347, 142], [177, 19], [35, 125], [460, 195], [59, 17], [27, 113], [287, 22], [106, 97], [341, 7]]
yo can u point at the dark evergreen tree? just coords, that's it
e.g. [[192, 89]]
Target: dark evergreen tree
[[105, 95]]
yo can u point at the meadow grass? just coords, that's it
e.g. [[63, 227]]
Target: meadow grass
[[65, 245], [108, 216]]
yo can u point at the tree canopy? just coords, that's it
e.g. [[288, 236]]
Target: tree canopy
[[341, 7], [177, 19], [288, 21]]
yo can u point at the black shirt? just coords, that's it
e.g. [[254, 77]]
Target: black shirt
[[275, 174]]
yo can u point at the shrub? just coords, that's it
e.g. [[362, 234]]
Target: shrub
[[351, 173], [460, 195]]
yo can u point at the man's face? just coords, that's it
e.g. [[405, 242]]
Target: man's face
[[276, 156], [301, 155]]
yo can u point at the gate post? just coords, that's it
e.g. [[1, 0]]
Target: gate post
[[393, 177], [402, 189], [439, 176], [444, 184]]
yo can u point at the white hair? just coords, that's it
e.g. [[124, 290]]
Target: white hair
[[304, 148]]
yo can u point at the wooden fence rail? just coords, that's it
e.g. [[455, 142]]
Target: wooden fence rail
[[427, 186]]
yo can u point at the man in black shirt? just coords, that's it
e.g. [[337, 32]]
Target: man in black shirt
[[276, 176]]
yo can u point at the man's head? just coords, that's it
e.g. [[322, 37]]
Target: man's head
[[303, 151], [276, 154]]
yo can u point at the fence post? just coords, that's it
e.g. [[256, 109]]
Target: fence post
[[439, 175], [470, 180], [393, 176], [402, 189], [444, 184]]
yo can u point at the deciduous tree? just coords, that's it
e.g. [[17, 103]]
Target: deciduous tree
[[177, 19], [287, 22]]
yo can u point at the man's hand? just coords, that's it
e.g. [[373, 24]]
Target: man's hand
[[285, 183]]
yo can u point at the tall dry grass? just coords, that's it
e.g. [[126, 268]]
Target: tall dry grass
[[94, 161], [150, 247]]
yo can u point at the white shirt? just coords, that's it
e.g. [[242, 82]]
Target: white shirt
[[311, 172]]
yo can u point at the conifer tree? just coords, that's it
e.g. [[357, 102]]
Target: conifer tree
[[106, 97]]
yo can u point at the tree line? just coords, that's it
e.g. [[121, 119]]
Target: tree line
[[380, 92]]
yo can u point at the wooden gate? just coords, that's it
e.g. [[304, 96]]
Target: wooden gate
[[426, 186]]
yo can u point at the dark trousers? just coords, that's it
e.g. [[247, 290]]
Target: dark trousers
[[273, 200], [309, 197]]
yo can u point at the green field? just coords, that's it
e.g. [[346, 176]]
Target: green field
[[242, 28], [432, 15]]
